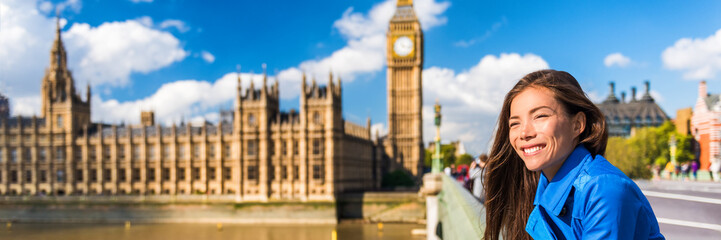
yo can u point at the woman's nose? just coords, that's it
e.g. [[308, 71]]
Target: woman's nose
[[527, 131]]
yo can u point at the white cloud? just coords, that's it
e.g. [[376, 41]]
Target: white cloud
[[97, 54], [656, 96], [378, 129], [366, 42], [616, 59], [109, 53], [168, 23], [106, 54], [595, 96], [26, 38], [174, 23], [364, 53], [471, 99], [145, 20], [494, 28], [26, 106], [698, 58], [208, 57], [175, 100], [209, 117], [45, 7], [73, 5]]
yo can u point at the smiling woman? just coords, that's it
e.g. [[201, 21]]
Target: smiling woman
[[546, 177]]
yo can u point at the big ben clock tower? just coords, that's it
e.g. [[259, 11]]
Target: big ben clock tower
[[404, 144]]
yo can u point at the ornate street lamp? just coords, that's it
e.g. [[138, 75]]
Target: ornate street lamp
[[436, 165]]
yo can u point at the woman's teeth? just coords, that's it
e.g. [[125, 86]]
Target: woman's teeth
[[532, 149]]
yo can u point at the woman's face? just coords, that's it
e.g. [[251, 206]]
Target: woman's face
[[541, 132]]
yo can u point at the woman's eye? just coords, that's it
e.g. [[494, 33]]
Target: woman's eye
[[513, 124], [541, 116]]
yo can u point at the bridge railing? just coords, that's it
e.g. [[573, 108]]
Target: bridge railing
[[452, 212], [461, 215]]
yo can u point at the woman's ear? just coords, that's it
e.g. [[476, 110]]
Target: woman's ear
[[579, 123]]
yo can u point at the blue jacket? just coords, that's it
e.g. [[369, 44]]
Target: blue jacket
[[589, 198]]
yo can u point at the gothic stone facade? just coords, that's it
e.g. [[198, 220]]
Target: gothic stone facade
[[256, 153]]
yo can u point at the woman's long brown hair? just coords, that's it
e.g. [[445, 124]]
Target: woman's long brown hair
[[510, 186]]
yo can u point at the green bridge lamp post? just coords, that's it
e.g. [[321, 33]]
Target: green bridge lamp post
[[432, 182], [436, 165]]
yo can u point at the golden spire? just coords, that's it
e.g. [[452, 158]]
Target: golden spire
[[237, 67], [404, 3], [265, 76]]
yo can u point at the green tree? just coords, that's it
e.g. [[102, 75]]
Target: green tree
[[428, 159], [464, 159], [649, 146], [448, 155], [629, 159], [684, 148]]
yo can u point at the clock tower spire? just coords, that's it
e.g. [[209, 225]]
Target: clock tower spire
[[404, 144]]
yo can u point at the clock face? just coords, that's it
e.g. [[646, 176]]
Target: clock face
[[403, 46]]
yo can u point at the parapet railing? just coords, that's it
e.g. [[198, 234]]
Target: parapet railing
[[200, 198], [461, 215]]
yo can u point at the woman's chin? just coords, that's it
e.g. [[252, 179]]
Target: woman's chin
[[533, 167]]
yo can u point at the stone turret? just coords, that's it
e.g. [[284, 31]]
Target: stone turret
[[611, 94], [4, 107], [646, 92], [62, 106]]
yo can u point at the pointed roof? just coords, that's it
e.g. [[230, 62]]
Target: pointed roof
[[404, 11], [57, 53], [639, 112]]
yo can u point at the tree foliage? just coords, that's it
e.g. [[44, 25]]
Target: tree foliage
[[464, 159], [627, 158], [448, 155], [649, 146]]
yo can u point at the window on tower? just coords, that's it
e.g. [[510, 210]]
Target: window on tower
[[316, 118], [251, 120]]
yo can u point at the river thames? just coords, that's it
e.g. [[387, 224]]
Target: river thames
[[72, 231]]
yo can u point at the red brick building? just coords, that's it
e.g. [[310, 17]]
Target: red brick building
[[706, 126]]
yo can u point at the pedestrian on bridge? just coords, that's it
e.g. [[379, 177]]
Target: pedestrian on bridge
[[546, 177], [476, 174]]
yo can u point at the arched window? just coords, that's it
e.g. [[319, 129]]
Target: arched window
[[316, 118], [251, 120]]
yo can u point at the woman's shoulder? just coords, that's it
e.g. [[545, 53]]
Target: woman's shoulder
[[599, 175]]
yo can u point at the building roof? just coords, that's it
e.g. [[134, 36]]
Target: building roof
[[711, 101], [631, 113]]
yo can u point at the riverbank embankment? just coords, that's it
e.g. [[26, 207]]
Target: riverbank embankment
[[366, 207]]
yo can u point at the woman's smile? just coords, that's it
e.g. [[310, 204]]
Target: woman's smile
[[533, 149], [540, 130]]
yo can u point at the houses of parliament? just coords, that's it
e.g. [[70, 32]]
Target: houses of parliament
[[255, 152]]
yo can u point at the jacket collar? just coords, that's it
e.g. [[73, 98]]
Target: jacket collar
[[552, 195]]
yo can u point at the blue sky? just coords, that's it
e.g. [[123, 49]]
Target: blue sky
[[180, 57]]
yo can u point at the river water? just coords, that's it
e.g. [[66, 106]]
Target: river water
[[180, 231]]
